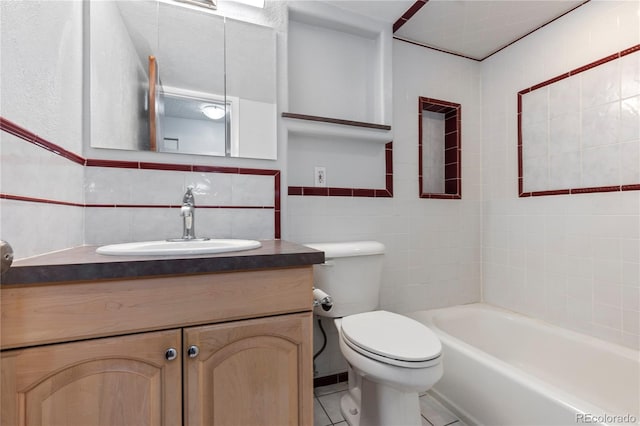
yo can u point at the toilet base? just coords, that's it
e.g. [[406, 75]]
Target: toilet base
[[375, 404], [350, 410]]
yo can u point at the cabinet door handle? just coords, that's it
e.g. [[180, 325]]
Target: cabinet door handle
[[193, 351], [171, 354]]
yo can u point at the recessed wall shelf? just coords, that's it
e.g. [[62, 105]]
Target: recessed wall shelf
[[339, 66], [339, 87], [439, 149]]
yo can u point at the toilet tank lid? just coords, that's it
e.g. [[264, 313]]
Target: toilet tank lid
[[349, 248]]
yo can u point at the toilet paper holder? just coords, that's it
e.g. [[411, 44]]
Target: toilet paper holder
[[6, 256], [322, 299]]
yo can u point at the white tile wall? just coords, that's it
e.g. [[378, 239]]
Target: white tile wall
[[31, 171], [572, 260], [432, 254], [35, 228]]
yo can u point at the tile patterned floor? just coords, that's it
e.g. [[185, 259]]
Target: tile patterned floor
[[327, 408]]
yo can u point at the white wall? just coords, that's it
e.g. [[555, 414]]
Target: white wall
[[569, 259]]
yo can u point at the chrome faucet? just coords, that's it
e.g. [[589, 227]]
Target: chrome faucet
[[188, 211]]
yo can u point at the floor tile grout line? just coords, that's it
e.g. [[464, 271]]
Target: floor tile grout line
[[330, 393], [342, 422], [428, 421], [325, 411]]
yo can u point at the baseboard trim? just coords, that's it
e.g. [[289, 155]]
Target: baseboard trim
[[331, 379]]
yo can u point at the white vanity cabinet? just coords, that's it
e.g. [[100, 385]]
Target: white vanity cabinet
[[232, 348]]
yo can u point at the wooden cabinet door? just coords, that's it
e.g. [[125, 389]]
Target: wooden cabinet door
[[118, 381], [250, 373]]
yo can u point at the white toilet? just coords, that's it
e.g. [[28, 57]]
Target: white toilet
[[391, 358]]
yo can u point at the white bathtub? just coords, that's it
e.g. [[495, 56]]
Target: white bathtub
[[502, 368]]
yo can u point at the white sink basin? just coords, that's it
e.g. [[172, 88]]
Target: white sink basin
[[178, 247]]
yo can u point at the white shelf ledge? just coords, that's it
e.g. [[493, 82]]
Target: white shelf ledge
[[337, 128]]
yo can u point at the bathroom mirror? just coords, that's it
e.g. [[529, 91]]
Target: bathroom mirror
[[167, 77], [439, 149]]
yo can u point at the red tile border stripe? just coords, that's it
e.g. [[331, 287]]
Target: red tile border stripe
[[460, 55], [117, 205], [38, 200], [408, 14], [30, 137], [112, 163], [634, 187]]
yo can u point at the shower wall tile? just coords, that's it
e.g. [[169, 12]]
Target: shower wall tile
[[573, 127], [573, 260], [630, 75]]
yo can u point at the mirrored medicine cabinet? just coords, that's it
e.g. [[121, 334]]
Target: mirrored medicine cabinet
[[167, 77]]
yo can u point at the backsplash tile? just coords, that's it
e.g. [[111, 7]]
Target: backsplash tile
[[249, 190], [214, 189], [120, 201]]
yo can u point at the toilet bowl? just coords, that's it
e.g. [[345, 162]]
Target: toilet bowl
[[391, 358]]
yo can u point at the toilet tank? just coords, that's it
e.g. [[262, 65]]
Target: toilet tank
[[351, 275]]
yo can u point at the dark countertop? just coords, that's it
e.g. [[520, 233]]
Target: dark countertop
[[84, 264]]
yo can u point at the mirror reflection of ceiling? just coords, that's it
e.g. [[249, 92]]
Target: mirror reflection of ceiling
[[471, 28], [190, 46]]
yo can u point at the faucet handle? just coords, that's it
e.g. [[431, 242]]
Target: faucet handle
[[188, 196]]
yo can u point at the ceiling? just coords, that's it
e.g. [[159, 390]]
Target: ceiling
[[471, 28]]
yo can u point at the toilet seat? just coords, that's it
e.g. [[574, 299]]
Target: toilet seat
[[392, 339]]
